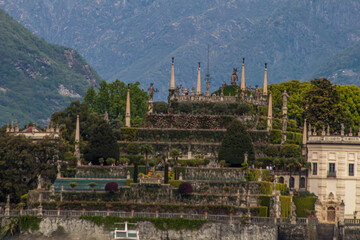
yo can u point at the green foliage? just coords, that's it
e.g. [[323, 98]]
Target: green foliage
[[294, 138], [281, 187], [32, 72], [235, 144], [275, 136], [68, 172], [102, 144], [112, 97], [128, 133], [18, 155], [285, 206], [27, 223], [175, 183], [253, 175], [266, 187], [160, 107], [133, 148], [163, 224], [73, 185], [129, 181], [266, 202], [290, 150], [305, 206], [271, 151], [263, 211], [323, 106]]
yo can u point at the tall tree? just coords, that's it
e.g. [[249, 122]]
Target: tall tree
[[102, 144], [146, 149], [323, 105], [235, 144], [175, 154]]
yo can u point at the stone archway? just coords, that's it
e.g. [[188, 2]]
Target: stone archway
[[331, 214]]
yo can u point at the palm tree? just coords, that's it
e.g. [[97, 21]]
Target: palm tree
[[175, 154], [146, 149]]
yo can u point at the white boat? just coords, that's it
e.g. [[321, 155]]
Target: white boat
[[124, 234]]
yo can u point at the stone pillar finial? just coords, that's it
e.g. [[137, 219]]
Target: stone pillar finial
[[58, 176], [77, 141], [127, 115], [350, 132], [7, 206], [269, 116], [245, 157], [323, 131], [172, 81], [314, 132], [265, 81], [16, 126], [342, 131], [198, 90], [243, 85], [328, 130]]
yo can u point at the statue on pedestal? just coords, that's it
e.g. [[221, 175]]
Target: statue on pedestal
[[234, 77], [151, 91]]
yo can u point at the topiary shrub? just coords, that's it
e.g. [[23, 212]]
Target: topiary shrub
[[185, 188], [111, 187]]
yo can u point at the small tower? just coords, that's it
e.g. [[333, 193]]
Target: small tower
[[127, 115], [269, 116], [243, 86], [198, 90], [172, 83], [77, 141], [265, 81]]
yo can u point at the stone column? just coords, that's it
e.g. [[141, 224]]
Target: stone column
[[7, 206], [243, 85], [58, 175], [198, 89], [127, 115], [77, 141], [265, 81], [269, 116], [172, 81], [285, 98]]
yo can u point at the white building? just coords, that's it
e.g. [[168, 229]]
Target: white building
[[335, 175]]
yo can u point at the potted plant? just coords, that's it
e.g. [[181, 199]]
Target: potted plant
[[110, 161], [101, 161], [73, 185], [92, 186], [141, 175], [222, 163], [227, 189], [158, 175]]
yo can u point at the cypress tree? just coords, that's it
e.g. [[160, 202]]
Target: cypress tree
[[236, 142]]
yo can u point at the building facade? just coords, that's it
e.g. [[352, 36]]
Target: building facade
[[334, 175]]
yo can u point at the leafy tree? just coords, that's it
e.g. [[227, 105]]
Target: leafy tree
[[146, 149], [102, 144], [21, 161], [323, 106], [175, 154], [133, 148], [235, 144], [112, 97]]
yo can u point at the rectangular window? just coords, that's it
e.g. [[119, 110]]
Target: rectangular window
[[351, 169], [314, 169], [332, 172]]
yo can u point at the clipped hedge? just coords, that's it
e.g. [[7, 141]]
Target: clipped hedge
[[305, 206], [265, 201], [263, 211], [281, 187], [275, 136], [266, 187], [128, 133], [294, 138], [285, 206]]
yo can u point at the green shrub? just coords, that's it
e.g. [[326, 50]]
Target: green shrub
[[275, 136], [263, 211], [285, 206], [290, 150], [266, 187], [271, 151], [281, 187], [128, 133], [27, 223], [253, 175], [266, 202], [160, 107], [305, 206], [175, 183]]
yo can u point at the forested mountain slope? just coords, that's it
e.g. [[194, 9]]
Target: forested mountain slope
[[37, 78]]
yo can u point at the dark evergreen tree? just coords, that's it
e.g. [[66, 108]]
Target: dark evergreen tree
[[102, 144], [235, 144], [323, 105], [166, 174]]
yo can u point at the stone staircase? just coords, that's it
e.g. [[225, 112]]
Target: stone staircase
[[325, 231]]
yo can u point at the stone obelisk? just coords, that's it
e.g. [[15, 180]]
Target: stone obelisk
[[198, 90], [304, 140], [127, 115], [77, 141], [172, 83], [243, 86], [269, 116], [285, 98], [265, 81]]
